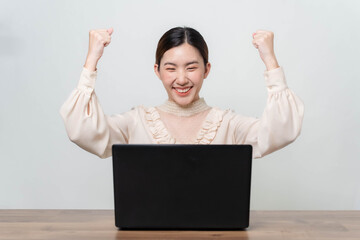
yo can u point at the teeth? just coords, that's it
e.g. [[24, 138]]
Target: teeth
[[182, 90]]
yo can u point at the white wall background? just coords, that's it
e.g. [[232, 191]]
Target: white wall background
[[43, 46]]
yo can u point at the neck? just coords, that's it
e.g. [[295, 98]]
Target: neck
[[185, 111]]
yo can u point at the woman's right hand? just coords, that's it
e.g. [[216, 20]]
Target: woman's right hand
[[98, 39]]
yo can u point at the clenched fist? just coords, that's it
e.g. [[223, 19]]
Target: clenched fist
[[264, 41], [98, 40]]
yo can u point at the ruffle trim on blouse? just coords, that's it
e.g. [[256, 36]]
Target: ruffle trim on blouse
[[209, 129], [206, 134], [157, 128]]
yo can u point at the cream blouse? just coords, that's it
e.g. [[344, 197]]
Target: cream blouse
[[91, 129]]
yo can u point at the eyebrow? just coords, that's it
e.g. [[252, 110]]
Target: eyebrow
[[170, 63]]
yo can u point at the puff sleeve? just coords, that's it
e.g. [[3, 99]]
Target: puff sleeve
[[280, 123], [87, 125]]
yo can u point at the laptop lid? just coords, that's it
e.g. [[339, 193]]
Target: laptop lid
[[181, 186]]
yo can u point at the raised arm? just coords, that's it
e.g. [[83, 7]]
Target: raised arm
[[282, 118], [85, 122]]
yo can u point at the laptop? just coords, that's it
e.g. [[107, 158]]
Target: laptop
[[181, 186]]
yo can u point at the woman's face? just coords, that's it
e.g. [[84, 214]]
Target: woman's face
[[182, 72]]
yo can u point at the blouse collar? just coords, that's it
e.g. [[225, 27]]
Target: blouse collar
[[184, 111]]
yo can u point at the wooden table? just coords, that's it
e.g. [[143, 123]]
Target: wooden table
[[99, 224]]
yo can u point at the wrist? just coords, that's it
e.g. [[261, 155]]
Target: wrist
[[90, 64], [271, 63]]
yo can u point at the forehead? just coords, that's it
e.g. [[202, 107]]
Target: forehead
[[182, 53]]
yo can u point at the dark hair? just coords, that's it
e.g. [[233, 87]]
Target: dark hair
[[177, 36]]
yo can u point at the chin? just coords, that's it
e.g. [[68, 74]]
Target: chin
[[183, 101]]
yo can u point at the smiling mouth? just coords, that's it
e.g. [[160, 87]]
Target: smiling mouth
[[182, 90]]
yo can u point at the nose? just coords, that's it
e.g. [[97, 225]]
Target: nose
[[181, 78]]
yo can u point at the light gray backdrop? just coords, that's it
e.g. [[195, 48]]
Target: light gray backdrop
[[43, 46]]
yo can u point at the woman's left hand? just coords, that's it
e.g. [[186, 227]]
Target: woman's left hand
[[264, 41]]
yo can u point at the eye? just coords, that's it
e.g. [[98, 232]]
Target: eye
[[192, 68], [170, 69]]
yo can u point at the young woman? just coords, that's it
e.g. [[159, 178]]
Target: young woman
[[182, 65]]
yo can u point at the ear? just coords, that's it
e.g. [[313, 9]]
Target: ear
[[207, 70], [156, 70]]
